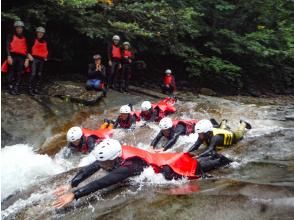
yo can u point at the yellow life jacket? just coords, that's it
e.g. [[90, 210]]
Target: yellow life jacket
[[228, 135]]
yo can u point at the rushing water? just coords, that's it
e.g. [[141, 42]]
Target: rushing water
[[258, 185]]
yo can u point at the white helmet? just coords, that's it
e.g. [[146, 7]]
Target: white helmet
[[125, 109], [203, 126], [168, 71], [165, 123], [108, 149], [146, 105], [115, 37], [73, 134]]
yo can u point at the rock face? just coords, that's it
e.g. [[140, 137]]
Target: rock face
[[22, 120], [74, 92], [206, 91]]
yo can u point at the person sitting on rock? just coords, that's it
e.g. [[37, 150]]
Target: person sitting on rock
[[216, 138], [123, 162], [96, 75], [169, 84]]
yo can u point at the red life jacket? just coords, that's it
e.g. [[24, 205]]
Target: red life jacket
[[189, 124], [101, 134], [116, 52], [127, 123], [18, 45], [166, 107], [40, 49], [168, 79], [5, 66], [127, 54], [181, 163]]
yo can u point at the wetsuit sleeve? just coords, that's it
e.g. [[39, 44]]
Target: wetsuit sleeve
[[91, 71], [128, 169], [179, 130], [116, 123], [156, 139], [84, 173], [215, 141], [91, 141], [8, 41], [196, 145], [155, 114]]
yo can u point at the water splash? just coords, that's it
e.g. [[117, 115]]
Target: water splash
[[21, 167]]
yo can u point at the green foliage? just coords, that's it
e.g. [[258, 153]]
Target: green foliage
[[234, 42]]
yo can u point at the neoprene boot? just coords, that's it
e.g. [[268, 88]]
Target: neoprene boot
[[16, 90], [247, 125], [11, 90]]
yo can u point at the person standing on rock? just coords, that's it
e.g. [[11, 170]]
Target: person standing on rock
[[96, 75], [216, 138], [38, 56], [17, 57], [114, 61], [169, 84], [127, 59]]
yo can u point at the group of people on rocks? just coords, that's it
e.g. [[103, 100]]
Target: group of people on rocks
[[24, 56], [124, 161]]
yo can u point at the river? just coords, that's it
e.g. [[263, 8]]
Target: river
[[259, 184]]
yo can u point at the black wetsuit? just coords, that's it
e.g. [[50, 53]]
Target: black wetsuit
[[37, 69], [114, 69], [89, 143], [174, 134], [152, 115], [17, 68], [123, 170], [212, 142], [130, 122]]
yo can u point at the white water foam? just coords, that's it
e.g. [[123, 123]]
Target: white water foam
[[21, 167]]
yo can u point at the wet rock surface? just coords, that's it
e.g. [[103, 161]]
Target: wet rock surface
[[74, 92]]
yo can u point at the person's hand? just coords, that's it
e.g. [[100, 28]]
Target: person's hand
[[119, 66], [167, 85], [63, 200], [46, 59], [26, 63], [62, 190], [9, 60], [130, 61], [30, 57], [110, 63]]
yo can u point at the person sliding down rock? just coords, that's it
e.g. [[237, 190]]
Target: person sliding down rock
[[169, 84], [127, 119], [215, 138], [123, 162], [83, 140], [171, 130], [155, 112], [96, 75]]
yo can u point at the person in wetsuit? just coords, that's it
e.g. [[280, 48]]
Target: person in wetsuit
[[17, 52], [38, 55], [171, 131], [217, 137], [148, 113], [127, 119], [96, 75], [78, 141], [121, 164], [169, 84]]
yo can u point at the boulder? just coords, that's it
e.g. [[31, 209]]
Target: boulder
[[74, 92], [208, 92]]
